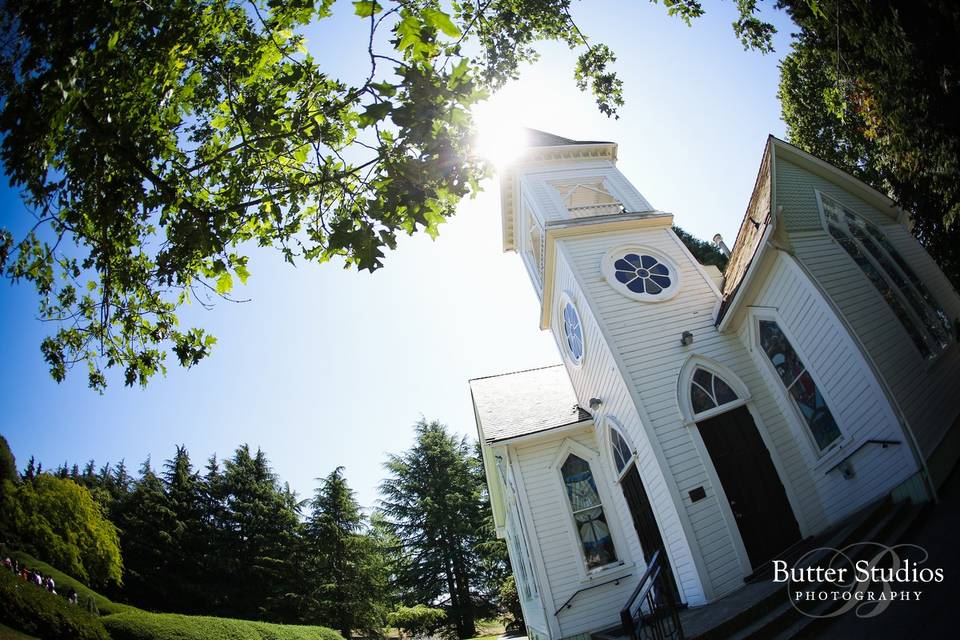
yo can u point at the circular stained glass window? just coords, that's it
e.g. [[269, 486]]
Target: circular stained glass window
[[573, 332], [642, 274]]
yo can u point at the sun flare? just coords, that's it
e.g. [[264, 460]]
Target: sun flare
[[500, 138]]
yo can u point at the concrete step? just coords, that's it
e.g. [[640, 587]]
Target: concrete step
[[786, 622], [771, 614]]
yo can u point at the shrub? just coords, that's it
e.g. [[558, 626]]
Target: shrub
[[35, 611], [420, 620], [60, 521], [141, 625], [84, 593], [510, 602]]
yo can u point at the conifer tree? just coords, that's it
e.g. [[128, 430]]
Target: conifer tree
[[433, 503], [345, 573]]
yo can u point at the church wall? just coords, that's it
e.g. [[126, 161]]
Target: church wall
[[599, 377], [924, 391], [523, 558], [647, 338], [541, 484], [850, 388], [535, 183]]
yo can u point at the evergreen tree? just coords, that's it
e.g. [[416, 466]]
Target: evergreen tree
[[145, 521], [189, 540], [8, 463], [433, 503], [345, 573], [256, 537]]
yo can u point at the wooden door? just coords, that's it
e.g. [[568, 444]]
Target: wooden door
[[753, 487], [644, 522]]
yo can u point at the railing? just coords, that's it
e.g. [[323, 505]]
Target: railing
[[567, 604], [883, 444], [651, 612], [591, 210]]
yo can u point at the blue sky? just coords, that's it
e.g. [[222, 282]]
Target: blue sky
[[327, 367]]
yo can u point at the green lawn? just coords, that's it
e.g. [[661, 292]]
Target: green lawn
[[125, 622], [6, 633]]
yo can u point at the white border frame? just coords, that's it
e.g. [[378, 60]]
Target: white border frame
[[565, 298], [796, 417], [607, 268], [623, 563], [685, 379]]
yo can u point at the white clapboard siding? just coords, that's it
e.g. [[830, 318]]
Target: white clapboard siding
[[646, 337], [535, 183], [925, 392], [849, 386]]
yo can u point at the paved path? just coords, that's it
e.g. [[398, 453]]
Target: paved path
[[935, 615]]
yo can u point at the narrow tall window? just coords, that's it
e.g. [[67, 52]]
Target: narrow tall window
[[924, 320], [799, 384], [588, 516]]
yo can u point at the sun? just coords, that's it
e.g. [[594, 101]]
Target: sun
[[500, 138]]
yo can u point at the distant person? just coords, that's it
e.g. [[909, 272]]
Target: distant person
[[7, 563], [72, 596]]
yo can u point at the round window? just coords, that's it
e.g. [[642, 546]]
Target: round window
[[572, 333], [640, 274]]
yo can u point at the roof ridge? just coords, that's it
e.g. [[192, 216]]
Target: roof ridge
[[510, 373]]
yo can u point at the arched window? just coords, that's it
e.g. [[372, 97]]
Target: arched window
[[709, 391], [622, 454], [589, 519], [799, 384], [924, 320]]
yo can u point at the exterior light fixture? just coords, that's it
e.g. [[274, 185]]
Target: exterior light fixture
[[595, 403], [686, 339]]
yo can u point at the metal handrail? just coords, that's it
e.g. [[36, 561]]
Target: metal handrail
[[593, 586], [655, 589], [883, 444]]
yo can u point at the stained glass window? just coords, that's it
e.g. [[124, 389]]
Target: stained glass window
[[800, 385], [573, 332], [588, 517], [924, 320], [642, 273], [621, 451], [708, 391]]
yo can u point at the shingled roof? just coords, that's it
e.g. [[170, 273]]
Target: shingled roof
[[537, 138], [524, 402]]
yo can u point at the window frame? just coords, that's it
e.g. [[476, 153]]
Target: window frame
[[770, 369], [607, 267], [565, 299], [929, 338], [622, 564]]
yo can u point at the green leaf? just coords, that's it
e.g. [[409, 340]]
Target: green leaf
[[112, 42], [441, 22], [224, 283], [374, 113], [367, 8]]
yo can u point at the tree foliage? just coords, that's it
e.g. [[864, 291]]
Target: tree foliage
[[874, 88], [156, 143], [433, 502], [61, 523], [343, 573]]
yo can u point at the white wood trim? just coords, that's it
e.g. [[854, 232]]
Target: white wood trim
[[706, 586], [689, 367], [527, 521], [623, 564]]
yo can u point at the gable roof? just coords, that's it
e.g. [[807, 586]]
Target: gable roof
[[760, 220], [537, 138], [524, 402]]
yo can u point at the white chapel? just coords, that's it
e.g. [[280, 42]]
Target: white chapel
[[710, 420]]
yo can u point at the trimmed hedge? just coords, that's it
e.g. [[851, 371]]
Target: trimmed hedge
[[34, 610], [64, 582], [141, 625]]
